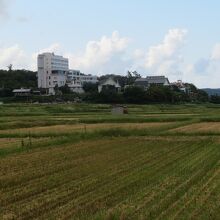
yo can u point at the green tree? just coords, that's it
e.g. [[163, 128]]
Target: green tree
[[15, 79], [215, 99], [134, 94], [131, 77], [202, 96], [157, 94], [90, 87], [65, 89]]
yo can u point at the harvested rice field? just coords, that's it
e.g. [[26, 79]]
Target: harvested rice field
[[67, 162], [68, 129], [200, 127]]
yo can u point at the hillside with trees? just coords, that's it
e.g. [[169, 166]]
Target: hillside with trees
[[14, 79]]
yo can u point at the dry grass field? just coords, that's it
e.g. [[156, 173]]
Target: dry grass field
[[200, 127], [81, 162]]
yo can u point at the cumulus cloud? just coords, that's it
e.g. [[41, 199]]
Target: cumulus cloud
[[14, 55], [111, 54], [206, 71], [53, 48], [107, 55], [201, 66], [166, 57], [102, 56], [20, 59]]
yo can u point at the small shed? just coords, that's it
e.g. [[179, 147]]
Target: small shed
[[22, 92], [119, 110]]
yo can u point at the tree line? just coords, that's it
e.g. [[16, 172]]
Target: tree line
[[13, 79], [137, 95]]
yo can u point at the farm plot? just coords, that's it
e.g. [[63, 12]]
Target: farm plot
[[6, 142], [130, 177], [58, 130], [203, 127], [80, 162]]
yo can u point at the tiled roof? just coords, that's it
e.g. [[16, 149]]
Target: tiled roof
[[152, 80]]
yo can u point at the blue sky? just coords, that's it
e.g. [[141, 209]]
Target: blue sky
[[177, 38]]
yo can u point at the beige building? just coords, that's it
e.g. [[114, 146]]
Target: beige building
[[52, 71]]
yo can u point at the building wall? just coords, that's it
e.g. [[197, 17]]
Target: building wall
[[109, 82], [42, 76], [52, 71], [76, 75], [76, 80], [166, 83]]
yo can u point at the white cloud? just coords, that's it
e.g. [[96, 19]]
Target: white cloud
[[20, 59], [53, 48], [102, 56], [206, 71], [112, 55], [107, 55], [13, 55], [166, 58]]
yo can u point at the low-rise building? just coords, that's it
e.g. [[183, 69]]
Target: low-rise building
[[76, 79], [181, 86], [22, 92], [142, 82], [108, 84], [158, 80], [145, 83]]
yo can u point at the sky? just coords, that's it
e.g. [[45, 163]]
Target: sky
[[176, 38]]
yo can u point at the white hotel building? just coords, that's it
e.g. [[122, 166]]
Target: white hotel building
[[54, 70]]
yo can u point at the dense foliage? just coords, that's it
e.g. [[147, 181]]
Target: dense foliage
[[215, 99], [137, 95], [15, 79]]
